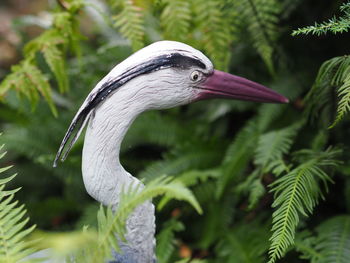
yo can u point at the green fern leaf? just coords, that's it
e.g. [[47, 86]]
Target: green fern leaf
[[54, 58], [166, 240], [154, 128], [197, 155], [247, 242], [332, 242], [334, 25], [256, 192], [190, 178], [297, 193], [129, 21], [114, 223], [175, 19], [344, 103], [241, 150], [333, 73], [238, 155], [319, 98], [261, 17], [215, 30], [14, 247], [28, 80], [274, 144]]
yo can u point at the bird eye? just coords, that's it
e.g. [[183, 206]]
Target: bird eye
[[195, 75]]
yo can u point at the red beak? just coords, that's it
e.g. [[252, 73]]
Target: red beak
[[224, 85]]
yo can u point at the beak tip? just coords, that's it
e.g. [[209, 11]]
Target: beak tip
[[284, 100]]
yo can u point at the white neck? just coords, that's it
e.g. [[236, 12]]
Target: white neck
[[103, 174], [104, 177]]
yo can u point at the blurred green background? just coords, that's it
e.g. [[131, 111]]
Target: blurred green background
[[214, 143]]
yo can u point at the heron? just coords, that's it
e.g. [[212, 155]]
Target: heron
[[162, 75]]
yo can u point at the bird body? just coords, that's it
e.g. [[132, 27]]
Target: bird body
[[163, 75]]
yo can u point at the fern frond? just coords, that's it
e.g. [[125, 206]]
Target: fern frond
[[334, 25], [198, 156], [332, 243], [166, 240], [114, 223], [47, 44], [305, 244], [215, 30], [247, 242], [130, 21], [14, 247], [238, 154], [190, 178], [332, 73], [253, 187], [154, 128], [344, 103], [256, 192], [28, 81], [261, 17], [297, 193], [175, 19], [268, 157], [26, 78], [272, 145], [241, 150]]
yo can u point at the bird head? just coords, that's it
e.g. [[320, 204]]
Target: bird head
[[162, 75], [168, 73]]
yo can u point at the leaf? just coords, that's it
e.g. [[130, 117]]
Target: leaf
[[130, 22], [272, 145], [215, 30], [54, 58], [331, 243], [175, 19], [29, 81], [166, 240], [295, 194], [344, 103], [111, 224], [333, 25], [260, 18], [14, 247]]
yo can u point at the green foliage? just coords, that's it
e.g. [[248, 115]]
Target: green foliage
[[244, 244], [27, 78], [216, 36], [330, 244], [13, 230], [129, 20], [272, 145], [297, 193], [166, 240], [261, 18], [175, 19], [95, 245], [332, 73], [227, 152], [334, 25]]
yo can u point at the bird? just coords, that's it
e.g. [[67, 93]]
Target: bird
[[162, 75]]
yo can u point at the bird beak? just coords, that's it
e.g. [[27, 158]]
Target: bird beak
[[224, 85]]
